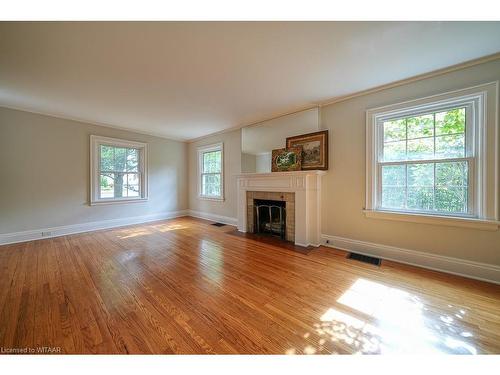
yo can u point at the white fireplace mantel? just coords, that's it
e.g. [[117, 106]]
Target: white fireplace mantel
[[307, 188]]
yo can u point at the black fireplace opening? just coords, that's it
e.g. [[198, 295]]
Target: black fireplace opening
[[270, 217]]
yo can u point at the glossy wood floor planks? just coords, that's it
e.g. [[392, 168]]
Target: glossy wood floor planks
[[185, 286]]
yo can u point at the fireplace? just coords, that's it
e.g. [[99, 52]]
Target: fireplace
[[270, 217], [271, 213], [300, 192]]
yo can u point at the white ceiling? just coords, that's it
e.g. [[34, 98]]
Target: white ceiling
[[186, 80]]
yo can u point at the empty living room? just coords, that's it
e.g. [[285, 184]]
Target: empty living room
[[238, 185]]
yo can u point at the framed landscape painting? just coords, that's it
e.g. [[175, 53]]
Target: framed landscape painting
[[286, 159], [314, 149]]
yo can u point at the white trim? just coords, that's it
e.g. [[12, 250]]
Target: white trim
[[455, 221], [37, 234], [208, 148], [213, 217], [455, 266], [483, 202], [95, 142]]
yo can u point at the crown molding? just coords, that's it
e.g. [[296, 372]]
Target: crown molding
[[420, 77], [87, 122]]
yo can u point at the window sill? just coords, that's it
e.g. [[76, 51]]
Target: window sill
[[462, 222], [203, 198], [118, 201]]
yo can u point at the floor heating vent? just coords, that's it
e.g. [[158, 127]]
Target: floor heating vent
[[218, 224], [364, 258]]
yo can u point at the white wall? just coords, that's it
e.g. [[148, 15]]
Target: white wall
[[263, 162], [248, 163], [44, 173]]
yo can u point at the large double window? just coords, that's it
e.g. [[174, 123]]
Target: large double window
[[426, 161], [211, 172], [118, 170], [433, 157]]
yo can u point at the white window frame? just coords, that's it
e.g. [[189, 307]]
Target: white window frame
[[95, 143], [482, 203], [202, 150]]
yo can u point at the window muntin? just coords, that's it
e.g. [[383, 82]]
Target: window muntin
[[435, 135], [118, 170], [211, 172], [119, 175], [425, 162]]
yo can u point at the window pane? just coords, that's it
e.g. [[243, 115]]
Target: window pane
[[450, 146], [113, 185], [132, 185], [450, 122], [107, 158], [420, 126], [211, 185], [107, 185], [119, 159], [422, 148], [394, 151], [393, 197], [394, 130], [212, 162], [120, 188], [120, 164], [394, 175], [451, 199], [420, 198], [132, 160], [452, 174], [421, 175]]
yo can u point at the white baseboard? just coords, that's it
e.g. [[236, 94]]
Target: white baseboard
[[456, 266], [213, 217], [37, 234]]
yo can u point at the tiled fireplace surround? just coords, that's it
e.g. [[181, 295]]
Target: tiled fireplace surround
[[289, 198], [302, 192]]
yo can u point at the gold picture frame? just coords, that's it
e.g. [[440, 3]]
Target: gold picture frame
[[286, 159], [314, 149]]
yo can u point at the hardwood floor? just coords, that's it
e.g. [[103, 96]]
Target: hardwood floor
[[184, 286]]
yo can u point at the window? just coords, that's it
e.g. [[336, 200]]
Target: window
[[428, 157], [118, 170], [211, 177], [424, 162]]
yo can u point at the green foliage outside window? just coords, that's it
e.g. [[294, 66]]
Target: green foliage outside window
[[438, 185]]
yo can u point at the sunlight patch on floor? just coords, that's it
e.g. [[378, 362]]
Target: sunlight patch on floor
[[168, 228], [139, 232], [131, 233], [389, 320]]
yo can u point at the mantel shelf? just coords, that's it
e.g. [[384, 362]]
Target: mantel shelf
[[279, 174]]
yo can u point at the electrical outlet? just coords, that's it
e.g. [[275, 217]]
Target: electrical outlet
[[46, 234]]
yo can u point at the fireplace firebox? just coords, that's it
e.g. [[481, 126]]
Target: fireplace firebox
[[270, 217]]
